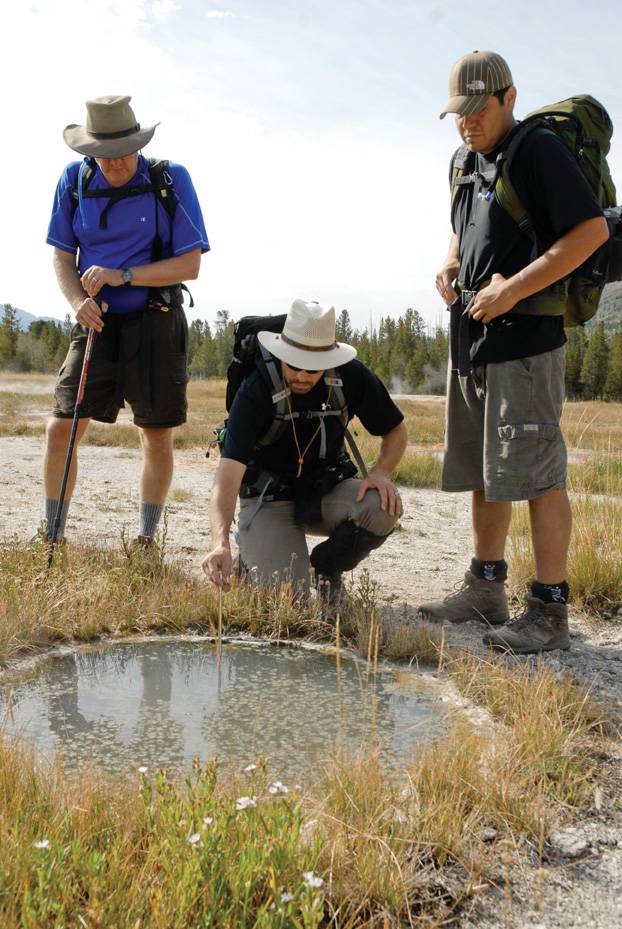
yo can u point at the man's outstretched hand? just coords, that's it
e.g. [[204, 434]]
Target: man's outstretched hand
[[218, 564]]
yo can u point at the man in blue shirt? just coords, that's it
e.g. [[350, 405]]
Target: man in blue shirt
[[125, 234]]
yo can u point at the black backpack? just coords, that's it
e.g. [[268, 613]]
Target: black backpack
[[250, 355]]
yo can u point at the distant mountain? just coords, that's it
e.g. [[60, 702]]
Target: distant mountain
[[25, 319], [610, 308]]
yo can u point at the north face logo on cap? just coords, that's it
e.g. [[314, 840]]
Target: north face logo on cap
[[475, 86]]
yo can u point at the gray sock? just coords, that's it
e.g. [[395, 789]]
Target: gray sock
[[149, 518], [50, 515]]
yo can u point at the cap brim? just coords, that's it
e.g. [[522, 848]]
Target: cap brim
[[80, 140], [299, 358], [467, 105]]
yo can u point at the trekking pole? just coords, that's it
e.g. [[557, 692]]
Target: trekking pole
[[72, 439]]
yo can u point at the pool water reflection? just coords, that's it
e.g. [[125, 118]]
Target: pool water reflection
[[160, 704]]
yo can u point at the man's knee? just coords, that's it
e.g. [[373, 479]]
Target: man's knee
[[371, 517], [57, 434], [157, 442]]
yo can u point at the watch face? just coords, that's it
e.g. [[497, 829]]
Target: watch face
[[127, 276]]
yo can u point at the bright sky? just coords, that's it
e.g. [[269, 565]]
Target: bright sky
[[310, 128]]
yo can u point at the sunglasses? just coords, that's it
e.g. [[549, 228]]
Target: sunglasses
[[298, 370]]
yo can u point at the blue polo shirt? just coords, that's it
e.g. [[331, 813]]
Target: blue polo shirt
[[131, 227]]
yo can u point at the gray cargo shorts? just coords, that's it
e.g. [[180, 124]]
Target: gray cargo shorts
[[503, 431], [274, 546]]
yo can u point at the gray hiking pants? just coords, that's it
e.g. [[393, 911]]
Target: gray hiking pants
[[274, 547]]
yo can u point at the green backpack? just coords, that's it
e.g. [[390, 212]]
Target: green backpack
[[584, 126]]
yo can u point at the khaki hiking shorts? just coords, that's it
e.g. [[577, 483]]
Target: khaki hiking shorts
[[140, 358], [503, 431]]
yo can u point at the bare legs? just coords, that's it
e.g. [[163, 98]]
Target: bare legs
[[551, 524]]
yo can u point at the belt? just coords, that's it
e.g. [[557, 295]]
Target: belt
[[466, 296], [460, 332]]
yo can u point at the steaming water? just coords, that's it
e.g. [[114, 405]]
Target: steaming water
[[161, 704]]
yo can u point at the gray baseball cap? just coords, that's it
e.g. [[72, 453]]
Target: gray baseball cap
[[473, 80]]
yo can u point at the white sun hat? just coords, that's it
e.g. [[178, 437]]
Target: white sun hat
[[308, 339]]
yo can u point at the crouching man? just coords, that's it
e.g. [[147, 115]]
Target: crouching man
[[284, 454]]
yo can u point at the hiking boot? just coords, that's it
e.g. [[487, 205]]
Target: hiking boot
[[332, 596], [45, 538], [541, 627], [475, 599], [142, 543]]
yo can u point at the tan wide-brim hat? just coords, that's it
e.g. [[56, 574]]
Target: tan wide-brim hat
[[111, 130], [473, 80], [308, 339]]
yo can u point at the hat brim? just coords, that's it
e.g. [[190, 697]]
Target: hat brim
[[80, 140], [467, 105], [308, 360]]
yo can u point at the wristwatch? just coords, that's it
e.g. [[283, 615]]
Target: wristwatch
[[126, 276]]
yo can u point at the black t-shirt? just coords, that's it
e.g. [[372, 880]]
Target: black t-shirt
[[557, 197], [252, 412]]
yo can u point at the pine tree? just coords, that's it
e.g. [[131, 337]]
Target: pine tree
[[343, 328], [613, 384], [9, 333], [575, 353], [594, 370]]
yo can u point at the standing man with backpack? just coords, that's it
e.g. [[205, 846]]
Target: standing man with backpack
[[283, 452], [126, 231], [519, 231]]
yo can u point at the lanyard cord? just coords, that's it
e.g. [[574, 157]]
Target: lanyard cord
[[301, 455]]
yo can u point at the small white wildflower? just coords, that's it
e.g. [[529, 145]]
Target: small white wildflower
[[309, 824], [207, 820], [42, 843], [195, 838], [143, 769], [297, 786], [311, 879], [278, 788], [243, 803], [285, 897], [249, 768]]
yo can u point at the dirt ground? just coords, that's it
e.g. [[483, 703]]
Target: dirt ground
[[421, 560]]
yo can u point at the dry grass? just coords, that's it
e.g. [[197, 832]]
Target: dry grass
[[385, 849], [595, 559], [362, 847], [91, 592]]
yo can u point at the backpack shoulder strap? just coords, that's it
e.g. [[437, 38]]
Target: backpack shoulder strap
[[269, 370], [163, 184], [504, 190], [332, 380], [84, 176], [460, 171]]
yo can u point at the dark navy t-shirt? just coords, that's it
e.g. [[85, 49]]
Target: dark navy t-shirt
[[131, 226], [252, 412], [557, 197]]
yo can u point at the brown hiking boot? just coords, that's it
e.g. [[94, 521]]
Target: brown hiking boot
[[541, 627], [475, 599], [141, 543]]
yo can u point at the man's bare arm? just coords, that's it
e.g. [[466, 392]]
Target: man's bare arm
[[568, 253], [87, 312], [392, 448], [217, 563], [156, 274]]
